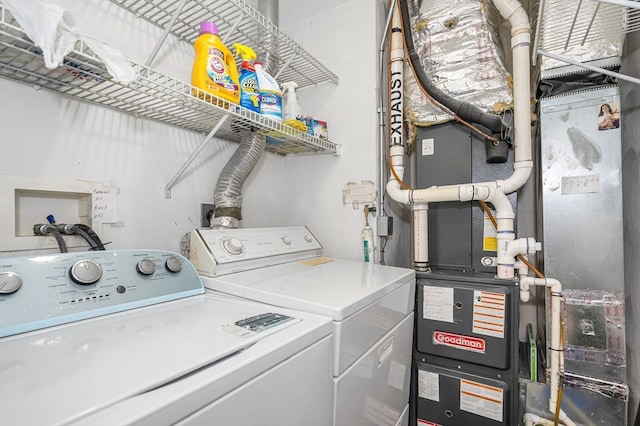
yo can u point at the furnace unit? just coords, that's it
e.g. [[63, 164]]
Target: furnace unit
[[466, 349], [465, 367]]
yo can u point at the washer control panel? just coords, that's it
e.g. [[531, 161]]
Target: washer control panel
[[221, 251], [43, 291]]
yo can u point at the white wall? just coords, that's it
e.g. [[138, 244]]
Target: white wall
[[345, 39], [49, 136]]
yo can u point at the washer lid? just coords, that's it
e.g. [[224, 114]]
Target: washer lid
[[335, 288], [63, 373]]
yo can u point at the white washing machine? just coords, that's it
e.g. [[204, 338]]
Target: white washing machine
[[130, 337], [371, 307]]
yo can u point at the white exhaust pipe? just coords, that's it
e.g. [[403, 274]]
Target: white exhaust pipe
[[557, 358], [493, 192]]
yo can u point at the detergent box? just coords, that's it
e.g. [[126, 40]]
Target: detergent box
[[315, 127]]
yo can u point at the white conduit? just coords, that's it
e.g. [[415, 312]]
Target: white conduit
[[557, 359], [493, 192]]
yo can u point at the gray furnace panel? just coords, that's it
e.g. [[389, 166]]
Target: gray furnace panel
[[451, 398], [450, 154], [466, 321]]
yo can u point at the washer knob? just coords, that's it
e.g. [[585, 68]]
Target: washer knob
[[9, 282], [86, 272], [173, 264], [308, 238], [233, 245], [286, 240], [146, 267]]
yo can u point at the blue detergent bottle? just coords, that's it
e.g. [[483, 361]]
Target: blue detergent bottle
[[249, 87]]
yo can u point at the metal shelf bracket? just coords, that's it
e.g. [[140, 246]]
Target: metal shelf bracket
[[167, 188]]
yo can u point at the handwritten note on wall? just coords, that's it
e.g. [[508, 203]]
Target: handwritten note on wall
[[103, 205]]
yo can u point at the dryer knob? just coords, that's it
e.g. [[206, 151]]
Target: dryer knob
[[86, 272], [146, 267], [174, 264], [233, 245], [308, 238], [286, 240], [9, 282]]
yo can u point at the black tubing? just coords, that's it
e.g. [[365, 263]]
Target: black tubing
[[98, 244], [464, 110], [51, 229], [73, 229]]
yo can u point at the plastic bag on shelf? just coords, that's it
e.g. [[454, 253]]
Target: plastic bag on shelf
[[54, 30], [115, 61], [49, 26]]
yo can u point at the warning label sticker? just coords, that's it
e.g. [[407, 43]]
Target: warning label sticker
[[483, 400], [429, 385], [489, 235], [489, 313]]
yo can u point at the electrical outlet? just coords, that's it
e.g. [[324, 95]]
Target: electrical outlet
[[206, 213]]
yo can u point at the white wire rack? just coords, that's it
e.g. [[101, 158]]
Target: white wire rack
[[569, 25], [151, 95], [238, 23]]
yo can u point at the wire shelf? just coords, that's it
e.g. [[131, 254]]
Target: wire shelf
[[567, 27], [151, 95], [238, 23]]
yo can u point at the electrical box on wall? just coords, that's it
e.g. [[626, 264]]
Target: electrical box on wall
[[29, 200]]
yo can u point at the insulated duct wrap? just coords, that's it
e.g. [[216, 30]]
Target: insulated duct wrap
[[594, 327], [458, 46]]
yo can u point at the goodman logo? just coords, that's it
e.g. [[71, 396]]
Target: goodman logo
[[459, 341]]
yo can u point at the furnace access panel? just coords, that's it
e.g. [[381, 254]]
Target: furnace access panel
[[465, 322]]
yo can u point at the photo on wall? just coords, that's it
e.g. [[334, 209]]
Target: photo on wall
[[608, 116]]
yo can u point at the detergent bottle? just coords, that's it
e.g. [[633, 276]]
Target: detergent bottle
[[291, 109], [214, 69], [249, 88], [270, 94]]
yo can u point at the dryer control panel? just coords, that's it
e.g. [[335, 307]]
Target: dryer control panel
[[223, 251], [42, 291]]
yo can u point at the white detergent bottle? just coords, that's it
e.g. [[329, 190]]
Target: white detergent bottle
[[291, 109], [270, 94]]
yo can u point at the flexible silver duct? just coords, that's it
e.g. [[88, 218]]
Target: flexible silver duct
[[270, 9], [227, 195]]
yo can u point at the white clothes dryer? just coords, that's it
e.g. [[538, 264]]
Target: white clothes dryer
[[130, 337], [371, 307]]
